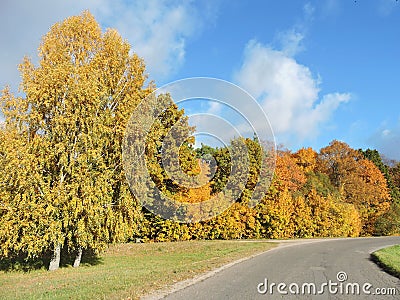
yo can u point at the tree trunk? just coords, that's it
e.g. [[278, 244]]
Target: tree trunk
[[78, 257], [55, 259]]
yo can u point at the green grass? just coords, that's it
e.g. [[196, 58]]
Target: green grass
[[388, 259], [127, 271]]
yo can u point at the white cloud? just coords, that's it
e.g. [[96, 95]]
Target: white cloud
[[157, 30], [308, 10], [385, 132], [292, 42], [387, 141], [287, 91], [214, 107], [23, 24]]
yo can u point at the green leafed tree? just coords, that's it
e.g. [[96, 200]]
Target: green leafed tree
[[389, 222], [63, 184]]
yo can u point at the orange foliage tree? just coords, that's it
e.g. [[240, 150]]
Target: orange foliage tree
[[359, 181], [289, 175]]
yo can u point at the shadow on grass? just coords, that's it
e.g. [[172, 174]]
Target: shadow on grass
[[22, 263], [384, 267]]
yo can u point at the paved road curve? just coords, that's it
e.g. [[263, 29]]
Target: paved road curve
[[297, 264]]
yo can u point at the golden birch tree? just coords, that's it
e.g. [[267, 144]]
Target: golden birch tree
[[71, 122]]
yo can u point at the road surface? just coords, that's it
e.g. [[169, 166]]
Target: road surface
[[321, 269]]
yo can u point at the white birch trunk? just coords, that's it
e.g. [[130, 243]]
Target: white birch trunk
[[78, 258], [55, 259]]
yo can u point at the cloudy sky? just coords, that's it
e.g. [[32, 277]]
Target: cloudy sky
[[321, 70]]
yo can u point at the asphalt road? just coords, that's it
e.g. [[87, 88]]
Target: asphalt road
[[336, 267]]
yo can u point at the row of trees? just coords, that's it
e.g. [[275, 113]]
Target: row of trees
[[339, 191], [63, 186]]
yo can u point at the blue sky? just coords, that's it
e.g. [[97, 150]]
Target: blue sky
[[321, 70]]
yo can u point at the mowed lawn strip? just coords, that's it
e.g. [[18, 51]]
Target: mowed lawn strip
[[389, 259], [128, 271]]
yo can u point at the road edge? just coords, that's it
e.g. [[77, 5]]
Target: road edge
[[162, 293]]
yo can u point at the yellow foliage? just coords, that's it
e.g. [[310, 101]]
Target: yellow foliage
[[67, 182], [306, 159]]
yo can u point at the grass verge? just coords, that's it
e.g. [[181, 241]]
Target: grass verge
[[388, 259], [127, 271]]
